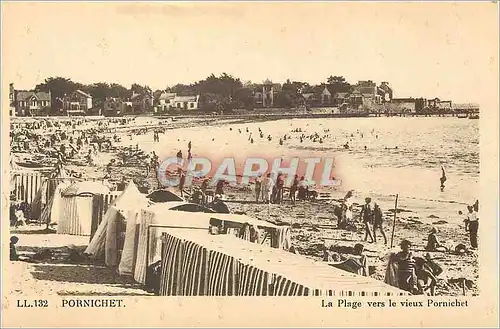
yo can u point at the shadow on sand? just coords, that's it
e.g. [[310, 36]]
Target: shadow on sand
[[28, 232], [90, 274]]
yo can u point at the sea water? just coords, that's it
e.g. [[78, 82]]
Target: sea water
[[403, 155]]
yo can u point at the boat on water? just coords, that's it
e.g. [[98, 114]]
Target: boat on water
[[475, 116], [462, 116]]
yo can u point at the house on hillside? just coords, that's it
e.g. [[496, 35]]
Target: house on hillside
[[77, 103], [142, 102], [186, 102], [28, 102]]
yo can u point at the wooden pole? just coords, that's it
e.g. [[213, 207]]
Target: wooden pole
[[394, 223]]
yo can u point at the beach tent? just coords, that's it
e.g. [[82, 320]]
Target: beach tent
[[126, 205], [24, 182], [161, 215], [199, 264], [50, 194], [75, 211], [110, 234], [133, 230]]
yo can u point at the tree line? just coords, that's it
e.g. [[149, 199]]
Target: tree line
[[223, 92]]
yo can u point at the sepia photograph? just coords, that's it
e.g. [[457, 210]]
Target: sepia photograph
[[338, 153]]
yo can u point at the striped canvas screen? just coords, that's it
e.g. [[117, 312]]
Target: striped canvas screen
[[199, 264]]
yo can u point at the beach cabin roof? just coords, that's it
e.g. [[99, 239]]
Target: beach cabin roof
[[85, 187], [242, 219], [130, 199], [179, 206], [180, 219]]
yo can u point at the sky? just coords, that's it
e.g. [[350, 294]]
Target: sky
[[445, 50]]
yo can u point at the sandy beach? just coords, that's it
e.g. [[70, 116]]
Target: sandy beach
[[379, 172]]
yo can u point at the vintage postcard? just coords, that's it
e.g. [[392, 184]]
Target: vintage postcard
[[244, 164]]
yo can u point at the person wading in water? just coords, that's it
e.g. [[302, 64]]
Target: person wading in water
[[443, 178]]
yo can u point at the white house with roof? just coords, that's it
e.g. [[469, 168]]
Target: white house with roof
[[166, 101], [187, 102]]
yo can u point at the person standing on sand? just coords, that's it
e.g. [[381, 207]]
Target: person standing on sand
[[378, 219], [219, 188], [301, 195], [265, 188], [279, 188], [182, 181], [258, 187], [348, 207], [472, 225], [293, 188], [367, 218], [204, 186], [272, 189]]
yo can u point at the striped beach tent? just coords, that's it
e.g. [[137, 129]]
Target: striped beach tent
[[197, 263], [158, 218], [154, 220], [75, 212]]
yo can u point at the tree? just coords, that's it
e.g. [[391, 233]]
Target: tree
[[243, 98], [118, 91], [58, 87], [339, 84], [99, 92], [336, 79], [138, 89], [291, 94]]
